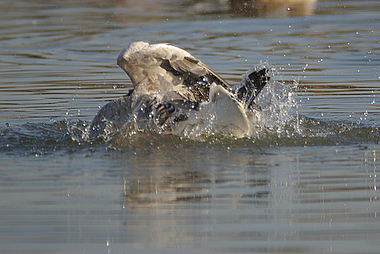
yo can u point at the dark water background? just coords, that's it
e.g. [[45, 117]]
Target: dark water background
[[307, 185]]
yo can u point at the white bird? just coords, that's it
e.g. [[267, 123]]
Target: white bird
[[173, 92]]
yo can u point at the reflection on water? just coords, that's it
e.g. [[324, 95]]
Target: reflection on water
[[169, 178], [182, 196], [174, 206], [275, 198]]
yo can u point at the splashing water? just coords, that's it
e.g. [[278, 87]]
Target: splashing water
[[278, 105], [275, 100], [221, 116]]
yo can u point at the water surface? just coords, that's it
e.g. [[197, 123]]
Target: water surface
[[304, 185]]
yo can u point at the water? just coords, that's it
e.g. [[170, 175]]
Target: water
[[307, 186]]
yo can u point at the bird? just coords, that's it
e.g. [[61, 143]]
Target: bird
[[175, 93]]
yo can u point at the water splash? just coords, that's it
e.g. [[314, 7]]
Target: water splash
[[278, 123], [40, 139], [278, 105], [221, 115]]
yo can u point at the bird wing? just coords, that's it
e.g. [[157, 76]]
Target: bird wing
[[163, 68]]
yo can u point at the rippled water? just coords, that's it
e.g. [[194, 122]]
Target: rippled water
[[307, 185]]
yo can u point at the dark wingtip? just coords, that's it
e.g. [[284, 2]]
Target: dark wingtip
[[252, 85], [259, 79]]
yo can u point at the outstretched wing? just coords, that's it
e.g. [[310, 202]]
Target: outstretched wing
[[250, 86], [164, 69]]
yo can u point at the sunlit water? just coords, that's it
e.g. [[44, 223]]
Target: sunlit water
[[306, 182]]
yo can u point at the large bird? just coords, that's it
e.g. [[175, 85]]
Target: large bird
[[173, 92]]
